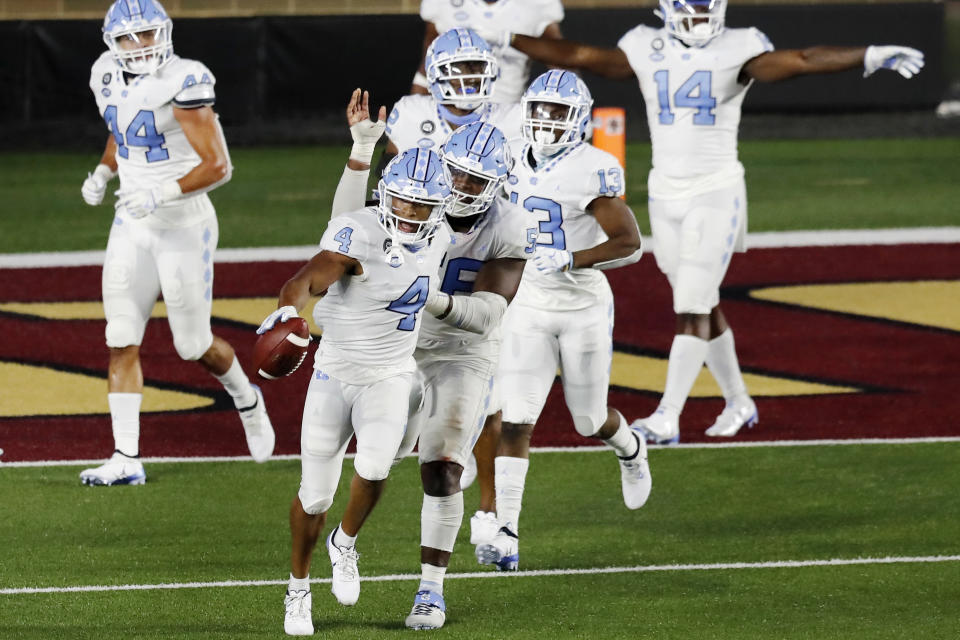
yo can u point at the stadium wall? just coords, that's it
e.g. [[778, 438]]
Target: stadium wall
[[285, 79]]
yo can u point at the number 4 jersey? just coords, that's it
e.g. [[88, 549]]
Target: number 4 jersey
[[151, 146], [693, 100]]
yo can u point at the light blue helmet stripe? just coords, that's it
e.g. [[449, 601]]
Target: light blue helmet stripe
[[420, 166], [134, 9], [554, 78], [479, 146], [464, 36]]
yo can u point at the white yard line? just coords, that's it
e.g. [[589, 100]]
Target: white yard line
[[762, 240], [585, 449], [402, 577]]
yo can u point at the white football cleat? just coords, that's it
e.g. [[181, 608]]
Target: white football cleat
[[469, 472], [503, 551], [635, 480], [257, 427], [483, 527], [660, 427], [119, 469], [345, 585], [429, 611], [298, 620], [738, 412]]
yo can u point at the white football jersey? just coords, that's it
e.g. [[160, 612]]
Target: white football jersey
[[151, 146], [526, 17], [693, 104], [557, 193], [416, 122], [506, 231], [371, 322]]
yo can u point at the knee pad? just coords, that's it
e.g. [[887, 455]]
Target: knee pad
[[192, 346], [371, 468], [588, 426], [122, 332], [313, 504]]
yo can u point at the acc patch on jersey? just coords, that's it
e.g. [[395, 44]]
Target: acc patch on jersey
[[107, 77], [428, 127]]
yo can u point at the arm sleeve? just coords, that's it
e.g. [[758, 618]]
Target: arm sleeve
[[479, 312], [350, 192]]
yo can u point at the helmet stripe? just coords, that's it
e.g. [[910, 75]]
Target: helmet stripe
[[134, 9], [464, 36], [420, 166], [554, 78], [480, 143]]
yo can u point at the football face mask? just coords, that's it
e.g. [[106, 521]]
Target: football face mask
[[461, 69], [413, 195], [693, 22], [477, 158], [556, 112]]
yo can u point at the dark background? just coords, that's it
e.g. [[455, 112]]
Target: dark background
[[286, 79]]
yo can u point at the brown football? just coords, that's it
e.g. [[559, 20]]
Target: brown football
[[279, 351]]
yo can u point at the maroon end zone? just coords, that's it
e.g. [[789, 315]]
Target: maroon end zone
[[910, 373]]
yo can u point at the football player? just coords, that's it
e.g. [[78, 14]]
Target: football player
[[462, 72], [562, 315], [694, 73], [374, 270], [460, 342], [166, 144], [491, 17]]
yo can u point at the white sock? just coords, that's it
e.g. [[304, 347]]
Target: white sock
[[440, 519], [723, 364], [237, 384], [342, 540], [125, 420], [623, 442], [511, 475], [687, 354], [431, 578], [299, 584]]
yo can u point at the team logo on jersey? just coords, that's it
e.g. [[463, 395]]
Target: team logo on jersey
[[428, 127], [512, 179], [107, 77], [424, 143], [657, 45], [105, 92]]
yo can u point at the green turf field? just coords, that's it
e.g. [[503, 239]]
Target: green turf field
[[282, 197], [227, 521]]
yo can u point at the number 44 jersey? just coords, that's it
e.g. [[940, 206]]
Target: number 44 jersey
[[138, 110], [693, 99]]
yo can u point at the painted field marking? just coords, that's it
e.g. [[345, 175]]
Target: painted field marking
[[584, 449], [760, 240], [401, 577]]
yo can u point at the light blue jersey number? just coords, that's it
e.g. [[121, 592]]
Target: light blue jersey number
[[453, 280], [142, 132], [552, 225], [411, 301], [695, 93]]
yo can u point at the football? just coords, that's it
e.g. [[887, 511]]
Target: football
[[279, 351]]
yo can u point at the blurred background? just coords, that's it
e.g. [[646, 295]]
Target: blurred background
[[286, 67]]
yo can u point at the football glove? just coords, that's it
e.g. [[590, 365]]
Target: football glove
[[142, 202], [281, 315], [904, 60], [548, 260], [96, 184], [364, 131]]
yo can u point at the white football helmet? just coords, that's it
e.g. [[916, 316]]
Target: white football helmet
[[475, 153], [127, 24], [693, 22], [556, 111]]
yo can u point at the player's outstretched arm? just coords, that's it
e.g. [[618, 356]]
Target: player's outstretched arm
[[605, 62], [496, 284], [352, 187], [96, 183], [773, 66]]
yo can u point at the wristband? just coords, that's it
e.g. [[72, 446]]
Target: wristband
[[104, 173], [362, 151]]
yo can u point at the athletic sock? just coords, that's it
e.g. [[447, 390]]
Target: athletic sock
[[431, 578], [125, 421], [623, 441], [511, 475], [237, 384], [299, 584], [687, 354], [723, 364], [440, 519], [342, 540]]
